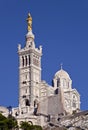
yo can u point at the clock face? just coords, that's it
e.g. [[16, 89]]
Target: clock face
[[36, 62]]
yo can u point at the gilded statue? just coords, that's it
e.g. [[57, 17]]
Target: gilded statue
[[29, 21]]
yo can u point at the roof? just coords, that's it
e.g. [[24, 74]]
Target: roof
[[62, 73]]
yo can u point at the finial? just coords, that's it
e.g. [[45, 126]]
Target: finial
[[29, 21], [61, 66]]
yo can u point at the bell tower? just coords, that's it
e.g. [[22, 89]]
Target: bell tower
[[29, 68]]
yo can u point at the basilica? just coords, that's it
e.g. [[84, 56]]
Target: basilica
[[39, 101]]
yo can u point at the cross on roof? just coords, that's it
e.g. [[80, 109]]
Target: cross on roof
[[61, 65]]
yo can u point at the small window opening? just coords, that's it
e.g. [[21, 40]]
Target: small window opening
[[58, 82], [74, 104], [22, 61], [26, 60], [27, 102], [29, 60]]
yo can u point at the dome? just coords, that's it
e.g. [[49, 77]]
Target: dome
[[62, 73]]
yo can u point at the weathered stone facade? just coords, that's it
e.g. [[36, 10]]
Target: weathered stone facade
[[38, 100], [76, 121]]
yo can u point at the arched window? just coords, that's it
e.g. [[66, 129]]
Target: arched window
[[74, 101], [27, 102], [30, 122], [56, 91], [58, 82], [22, 61], [29, 60], [26, 60], [74, 104]]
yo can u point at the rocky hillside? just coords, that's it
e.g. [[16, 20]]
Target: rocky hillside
[[77, 121]]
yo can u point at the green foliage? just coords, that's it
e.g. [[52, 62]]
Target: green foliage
[[36, 127], [11, 122], [3, 120], [8, 123], [26, 126], [2, 117]]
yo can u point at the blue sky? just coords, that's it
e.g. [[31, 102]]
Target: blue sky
[[60, 26]]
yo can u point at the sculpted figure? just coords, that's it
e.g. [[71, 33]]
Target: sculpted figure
[[29, 21]]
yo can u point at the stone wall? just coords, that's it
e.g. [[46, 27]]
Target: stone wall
[[51, 106], [77, 121]]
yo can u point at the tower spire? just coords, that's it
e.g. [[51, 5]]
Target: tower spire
[[29, 21], [29, 35]]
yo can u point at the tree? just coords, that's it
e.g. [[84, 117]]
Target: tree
[[37, 127], [26, 126], [11, 123], [2, 122], [7, 123]]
